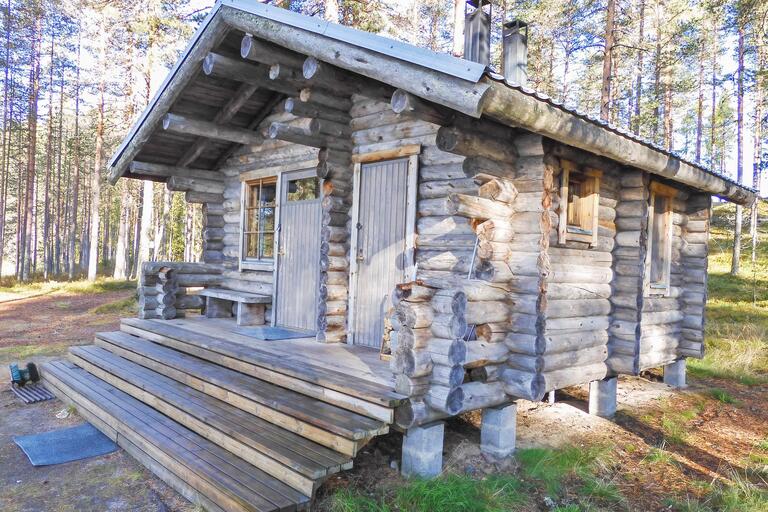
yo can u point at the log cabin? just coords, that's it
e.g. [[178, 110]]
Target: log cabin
[[391, 237]]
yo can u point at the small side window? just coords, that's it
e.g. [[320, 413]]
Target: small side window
[[579, 204], [659, 254]]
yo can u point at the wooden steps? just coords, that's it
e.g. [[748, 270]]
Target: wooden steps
[[292, 459], [201, 470], [339, 429], [233, 422], [286, 370]]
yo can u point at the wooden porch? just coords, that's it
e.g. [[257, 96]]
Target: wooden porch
[[232, 421]]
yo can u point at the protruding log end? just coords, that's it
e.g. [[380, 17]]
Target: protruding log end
[[289, 104], [208, 63], [245, 46], [167, 121], [447, 139], [274, 71], [273, 131], [400, 101], [310, 68]]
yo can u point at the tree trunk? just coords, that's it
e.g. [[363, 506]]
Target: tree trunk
[[6, 160], [757, 165], [735, 260], [713, 115], [93, 253], [29, 200], [76, 180], [639, 70], [48, 171], [331, 10], [147, 204], [122, 235], [700, 104], [458, 28], [605, 90]]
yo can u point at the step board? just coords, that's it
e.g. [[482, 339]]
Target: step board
[[357, 395], [339, 429], [200, 470], [292, 459]]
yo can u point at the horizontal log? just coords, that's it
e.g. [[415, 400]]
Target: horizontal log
[[200, 128], [455, 140]]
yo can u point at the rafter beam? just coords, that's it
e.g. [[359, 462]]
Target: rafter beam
[[228, 111], [255, 74], [167, 171], [184, 125], [255, 122], [268, 53]]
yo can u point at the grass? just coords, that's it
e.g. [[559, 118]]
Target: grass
[[723, 396], [123, 307], [659, 455], [737, 309], [27, 352], [101, 285], [456, 493], [552, 467], [674, 424], [739, 495]]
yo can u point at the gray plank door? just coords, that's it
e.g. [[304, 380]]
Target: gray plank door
[[298, 271], [380, 250]]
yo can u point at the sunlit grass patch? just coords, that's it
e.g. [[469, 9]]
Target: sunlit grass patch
[[659, 456], [457, 493], [100, 285], [123, 307], [723, 396], [552, 466], [26, 352]]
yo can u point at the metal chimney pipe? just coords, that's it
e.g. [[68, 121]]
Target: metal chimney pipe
[[514, 62], [477, 32]]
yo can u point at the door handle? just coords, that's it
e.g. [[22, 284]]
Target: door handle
[[360, 256]]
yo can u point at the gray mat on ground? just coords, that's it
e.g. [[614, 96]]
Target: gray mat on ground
[[274, 333], [65, 445], [32, 392]]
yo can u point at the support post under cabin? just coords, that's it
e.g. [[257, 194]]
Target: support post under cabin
[[498, 431], [674, 374], [423, 450], [602, 397]]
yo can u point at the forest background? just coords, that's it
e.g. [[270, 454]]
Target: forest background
[[689, 75]]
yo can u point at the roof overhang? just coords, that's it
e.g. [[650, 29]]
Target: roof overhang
[[455, 83]]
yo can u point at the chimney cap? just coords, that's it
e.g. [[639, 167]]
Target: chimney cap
[[518, 23], [478, 3]]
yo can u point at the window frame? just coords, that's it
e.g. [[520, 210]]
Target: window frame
[[663, 287], [591, 178], [250, 263]]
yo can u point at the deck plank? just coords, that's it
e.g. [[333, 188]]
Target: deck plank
[[240, 389], [287, 456], [203, 345], [211, 470]]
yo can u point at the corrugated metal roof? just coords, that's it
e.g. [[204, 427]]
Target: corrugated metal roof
[[494, 75], [442, 63]]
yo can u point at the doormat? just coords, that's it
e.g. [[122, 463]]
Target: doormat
[[65, 445], [32, 392], [274, 333]]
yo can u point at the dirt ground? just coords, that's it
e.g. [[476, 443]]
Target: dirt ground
[[55, 318], [714, 438]]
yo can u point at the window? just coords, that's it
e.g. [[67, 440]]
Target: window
[[303, 189], [659, 255], [259, 208], [579, 204]]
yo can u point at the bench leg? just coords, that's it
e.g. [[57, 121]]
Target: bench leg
[[217, 308], [250, 314]]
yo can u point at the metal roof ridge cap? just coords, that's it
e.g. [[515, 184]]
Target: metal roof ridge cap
[[454, 66]]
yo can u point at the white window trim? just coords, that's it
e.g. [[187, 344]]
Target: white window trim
[[263, 265]]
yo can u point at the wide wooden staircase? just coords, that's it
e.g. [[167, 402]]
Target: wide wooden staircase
[[231, 427]]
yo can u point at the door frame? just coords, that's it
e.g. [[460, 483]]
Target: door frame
[[281, 177], [410, 225]]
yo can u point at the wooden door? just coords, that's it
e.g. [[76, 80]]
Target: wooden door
[[381, 248], [298, 273]]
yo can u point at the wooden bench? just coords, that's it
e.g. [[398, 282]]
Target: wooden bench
[[250, 307]]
